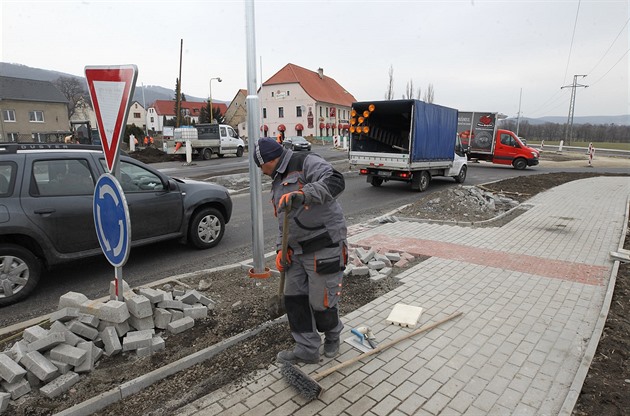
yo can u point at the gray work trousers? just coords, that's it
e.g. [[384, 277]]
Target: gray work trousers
[[312, 290]]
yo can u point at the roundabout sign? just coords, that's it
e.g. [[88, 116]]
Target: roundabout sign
[[111, 219]]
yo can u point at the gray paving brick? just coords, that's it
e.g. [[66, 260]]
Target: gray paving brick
[[360, 407], [383, 389], [436, 403], [412, 405], [485, 400], [385, 406], [335, 407]]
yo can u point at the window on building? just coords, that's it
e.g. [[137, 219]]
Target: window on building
[[280, 112], [38, 137], [12, 137], [264, 113], [271, 94], [321, 111], [298, 111], [136, 115], [288, 93], [36, 116], [152, 121], [8, 115]]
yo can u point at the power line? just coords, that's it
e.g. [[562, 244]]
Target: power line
[[609, 48], [577, 13], [611, 68]]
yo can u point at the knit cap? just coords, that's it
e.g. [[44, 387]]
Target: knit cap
[[266, 150]]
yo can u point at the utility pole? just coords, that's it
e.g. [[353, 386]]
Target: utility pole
[[179, 87], [569, 128], [518, 116]]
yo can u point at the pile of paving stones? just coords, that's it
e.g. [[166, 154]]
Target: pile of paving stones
[[81, 331], [375, 262]]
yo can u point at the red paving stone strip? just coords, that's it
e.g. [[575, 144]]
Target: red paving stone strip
[[558, 269]]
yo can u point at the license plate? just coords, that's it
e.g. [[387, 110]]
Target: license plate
[[384, 173]]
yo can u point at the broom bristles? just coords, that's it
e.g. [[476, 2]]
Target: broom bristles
[[303, 383]]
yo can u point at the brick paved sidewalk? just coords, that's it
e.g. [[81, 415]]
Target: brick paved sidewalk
[[531, 292]]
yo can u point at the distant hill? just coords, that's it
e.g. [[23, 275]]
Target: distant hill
[[151, 92], [623, 120]]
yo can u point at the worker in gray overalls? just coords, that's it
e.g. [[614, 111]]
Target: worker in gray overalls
[[317, 253]]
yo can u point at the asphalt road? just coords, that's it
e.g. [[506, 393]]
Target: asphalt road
[[361, 202]]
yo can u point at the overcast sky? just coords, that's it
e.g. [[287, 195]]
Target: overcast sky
[[478, 55]]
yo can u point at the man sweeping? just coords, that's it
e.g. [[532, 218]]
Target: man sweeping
[[308, 185]]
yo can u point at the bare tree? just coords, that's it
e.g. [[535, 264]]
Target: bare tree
[[74, 92], [409, 90], [428, 94], [389, 94]]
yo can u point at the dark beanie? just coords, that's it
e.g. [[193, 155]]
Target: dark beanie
[[266, 150]]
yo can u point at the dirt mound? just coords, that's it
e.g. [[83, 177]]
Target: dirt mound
[[153, 155]]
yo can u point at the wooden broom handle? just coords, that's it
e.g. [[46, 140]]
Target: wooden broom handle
[[384, 346]]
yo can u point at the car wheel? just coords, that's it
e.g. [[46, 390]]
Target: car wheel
[[421, 182], [19, 273], [206, 154], [519, 163], [206, 228], [376, 181], [461, 177], [239, 152]]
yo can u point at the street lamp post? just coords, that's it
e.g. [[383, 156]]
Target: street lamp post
[[218, 79]]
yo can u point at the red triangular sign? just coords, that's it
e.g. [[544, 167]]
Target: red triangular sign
[[111, 89]]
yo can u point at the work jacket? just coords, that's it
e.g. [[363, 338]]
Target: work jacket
[[320, 221]]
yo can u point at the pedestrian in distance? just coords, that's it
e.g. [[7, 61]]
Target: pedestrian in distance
[[317, 250]]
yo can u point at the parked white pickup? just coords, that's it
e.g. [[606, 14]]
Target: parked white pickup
[[206, 140]]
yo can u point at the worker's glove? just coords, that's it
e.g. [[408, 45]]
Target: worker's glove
[[291, 199], [279, 264]]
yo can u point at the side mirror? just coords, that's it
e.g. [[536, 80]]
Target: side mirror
[[172, 185]]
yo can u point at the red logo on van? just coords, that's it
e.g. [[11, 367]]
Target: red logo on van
[[485, 120]]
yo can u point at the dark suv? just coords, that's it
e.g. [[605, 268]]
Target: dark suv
[[46, 209]]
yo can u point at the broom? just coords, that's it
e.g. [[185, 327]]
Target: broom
[[308, 386]]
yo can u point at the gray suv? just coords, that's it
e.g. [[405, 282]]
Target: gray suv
[[46, 209]]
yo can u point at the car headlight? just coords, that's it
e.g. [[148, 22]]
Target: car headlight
[[535, 154]]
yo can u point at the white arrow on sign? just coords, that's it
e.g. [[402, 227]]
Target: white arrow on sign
[[108, 190]]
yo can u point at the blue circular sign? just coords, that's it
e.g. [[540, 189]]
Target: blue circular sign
[[111, 219]]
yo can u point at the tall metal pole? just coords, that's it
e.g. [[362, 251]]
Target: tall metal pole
[[518, 117], [210, 98], [179, 87], [144, 104], [569, 128], [253, 129]]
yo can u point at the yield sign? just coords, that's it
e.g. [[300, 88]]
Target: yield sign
[[111, 89]]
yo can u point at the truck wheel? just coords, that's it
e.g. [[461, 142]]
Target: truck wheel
[[206, 154], [376, 181], [421, 182], [19, 273], [239, 152], [519, 163], [206, 228], [461, 177]]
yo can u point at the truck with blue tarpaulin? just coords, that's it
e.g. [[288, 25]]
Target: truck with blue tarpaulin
[[405, 140]]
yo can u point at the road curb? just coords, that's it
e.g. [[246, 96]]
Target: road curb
[[587, 359]]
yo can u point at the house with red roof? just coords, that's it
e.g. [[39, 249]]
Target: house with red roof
[[298, 102], [162, 110]]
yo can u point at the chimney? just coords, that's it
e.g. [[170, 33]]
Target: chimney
[[320, 71]]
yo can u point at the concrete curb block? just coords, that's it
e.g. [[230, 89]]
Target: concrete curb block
[[589, 353], [133, 386]]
